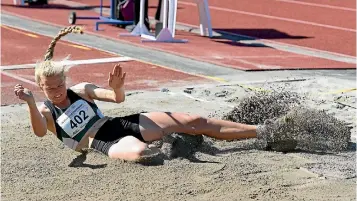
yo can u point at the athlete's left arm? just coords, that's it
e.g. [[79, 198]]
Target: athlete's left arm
[[97, 93], [115, 81]]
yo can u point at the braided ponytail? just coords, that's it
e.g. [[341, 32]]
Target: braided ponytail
[[63, 32], [48, 67]]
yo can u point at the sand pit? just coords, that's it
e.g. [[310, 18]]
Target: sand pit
[[42, 169]]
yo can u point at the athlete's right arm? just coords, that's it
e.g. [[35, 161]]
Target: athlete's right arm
[[38, 120]]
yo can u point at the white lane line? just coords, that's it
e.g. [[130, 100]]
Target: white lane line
[[319, 5], [18, 78], [69, 62], [273, 17], [200, 99], [251, 56], [95, 61]]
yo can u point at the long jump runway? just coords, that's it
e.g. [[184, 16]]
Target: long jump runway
[[262, 41], [21, 50]]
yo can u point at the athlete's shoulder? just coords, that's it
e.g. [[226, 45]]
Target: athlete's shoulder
[[46, 112], [81, 89], [43, 108]]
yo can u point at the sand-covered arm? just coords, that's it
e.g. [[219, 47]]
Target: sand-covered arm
[[38, 121]]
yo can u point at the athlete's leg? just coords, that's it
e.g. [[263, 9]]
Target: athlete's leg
[[155, 125]]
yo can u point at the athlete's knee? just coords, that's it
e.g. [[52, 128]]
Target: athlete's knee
[[198, 123], [133, 154], [197, 120], [128, 148]]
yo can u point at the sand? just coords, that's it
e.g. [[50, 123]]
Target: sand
[[42, 169]]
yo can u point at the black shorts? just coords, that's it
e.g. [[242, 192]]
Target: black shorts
[[115, 129]]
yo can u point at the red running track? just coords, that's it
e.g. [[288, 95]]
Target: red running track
[[32, 48], [320, 28], [318, 24], [217, 51], [139, 75]]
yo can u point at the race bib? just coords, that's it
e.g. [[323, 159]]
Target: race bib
[[76, 117]]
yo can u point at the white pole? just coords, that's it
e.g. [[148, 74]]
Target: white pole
[[174, 13], [165, 14], [208, 17], [141, 20]]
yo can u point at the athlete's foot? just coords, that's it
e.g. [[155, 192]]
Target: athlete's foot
[[150, 154], [167, 147]]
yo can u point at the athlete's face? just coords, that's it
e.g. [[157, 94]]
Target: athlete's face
[[54, 88]]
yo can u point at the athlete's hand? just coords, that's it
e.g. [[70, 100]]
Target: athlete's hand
[[117, 77], [23, 93]]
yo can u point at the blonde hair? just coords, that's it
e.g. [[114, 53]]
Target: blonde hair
[[48, 67]]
